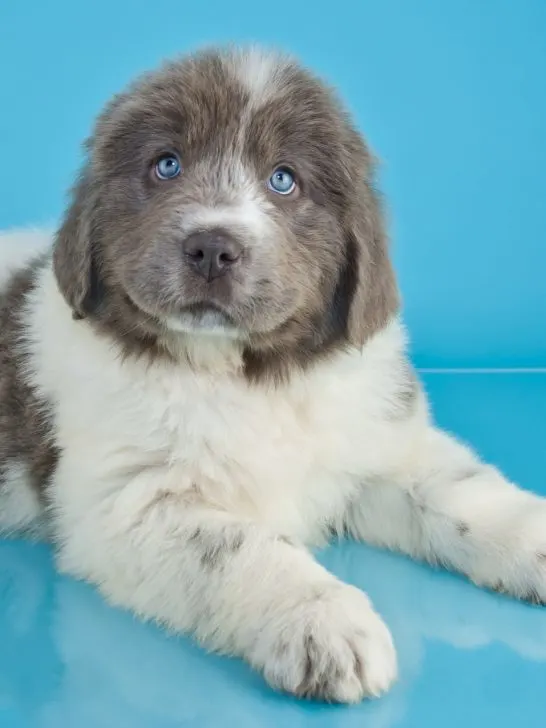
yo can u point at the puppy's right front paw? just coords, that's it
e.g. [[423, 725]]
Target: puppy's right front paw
[[333, 648]]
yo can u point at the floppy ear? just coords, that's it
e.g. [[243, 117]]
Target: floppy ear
[[375, 297], [74, 261]]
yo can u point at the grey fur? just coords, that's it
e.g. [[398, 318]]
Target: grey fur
[[321, 676], [410, 391], [407, 395], [286, 540], [470, 472], [214, 547], [499, 587], [26, 434], [531, 596]]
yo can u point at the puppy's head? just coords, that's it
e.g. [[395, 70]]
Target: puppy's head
[[229, 194]]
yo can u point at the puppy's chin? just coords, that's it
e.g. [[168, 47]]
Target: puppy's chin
[[205, 322]]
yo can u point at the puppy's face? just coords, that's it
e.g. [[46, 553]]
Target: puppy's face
[[228, 194]]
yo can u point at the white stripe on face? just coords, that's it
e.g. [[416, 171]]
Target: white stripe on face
[[259, 71]]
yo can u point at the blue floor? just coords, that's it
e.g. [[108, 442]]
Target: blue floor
[[467, 658]]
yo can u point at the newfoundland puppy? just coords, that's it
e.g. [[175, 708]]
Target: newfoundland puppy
[[204, 372]]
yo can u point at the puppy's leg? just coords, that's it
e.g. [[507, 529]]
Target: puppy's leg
[[447, 507], [237, 587]]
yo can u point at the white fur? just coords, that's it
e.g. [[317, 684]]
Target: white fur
[[163, 464], [246, 210], [258, 71], [17, 247], [210, 323], [20, 507]]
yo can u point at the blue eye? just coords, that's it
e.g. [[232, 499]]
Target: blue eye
[[282, 181], [167, 167]]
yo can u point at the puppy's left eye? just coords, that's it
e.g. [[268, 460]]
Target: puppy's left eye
[[282, 181], [167, 167]]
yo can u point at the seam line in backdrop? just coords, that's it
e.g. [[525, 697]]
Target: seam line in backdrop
[[482, 370]]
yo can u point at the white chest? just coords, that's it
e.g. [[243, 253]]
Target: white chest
[[267, 453], [290, 455]]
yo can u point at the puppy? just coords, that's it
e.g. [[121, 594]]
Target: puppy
[[204, 373]]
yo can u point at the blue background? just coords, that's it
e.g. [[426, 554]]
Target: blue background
[[452, 96], [450, 93]]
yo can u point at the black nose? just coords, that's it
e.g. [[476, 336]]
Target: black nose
[[212, 253]]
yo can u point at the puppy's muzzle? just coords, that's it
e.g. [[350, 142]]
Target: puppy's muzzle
[[212, 253]]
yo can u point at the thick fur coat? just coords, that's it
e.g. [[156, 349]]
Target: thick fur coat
[[203, 372]]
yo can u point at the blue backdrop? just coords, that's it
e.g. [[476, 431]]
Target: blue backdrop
[[452, 95]]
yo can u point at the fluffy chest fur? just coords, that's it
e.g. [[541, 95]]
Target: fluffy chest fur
[[287, 455]]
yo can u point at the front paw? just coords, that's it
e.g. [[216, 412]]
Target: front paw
[[331, 647]]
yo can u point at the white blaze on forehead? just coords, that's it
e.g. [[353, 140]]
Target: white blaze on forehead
[[259, 71]]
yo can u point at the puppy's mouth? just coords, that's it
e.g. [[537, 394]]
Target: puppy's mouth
[[205, 318]]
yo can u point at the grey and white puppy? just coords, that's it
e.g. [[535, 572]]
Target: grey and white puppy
[[204, 371]]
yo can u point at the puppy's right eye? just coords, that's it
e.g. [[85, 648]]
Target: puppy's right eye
[[167, 167]]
